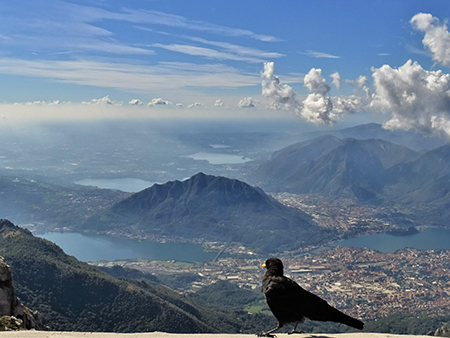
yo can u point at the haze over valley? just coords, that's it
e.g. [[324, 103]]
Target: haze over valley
[[341, 186]]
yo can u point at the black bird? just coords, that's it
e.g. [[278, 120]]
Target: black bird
[[290, 303]]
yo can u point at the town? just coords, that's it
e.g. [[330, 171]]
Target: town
[[363, 283]]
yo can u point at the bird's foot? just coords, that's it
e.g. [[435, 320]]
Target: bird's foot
[[265, 334], [295, 331]]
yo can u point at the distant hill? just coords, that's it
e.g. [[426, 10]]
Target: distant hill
[[211, 208], [410, 139], [424, 184], [329, 165], [370, 171], [74, 296], [24, 200]]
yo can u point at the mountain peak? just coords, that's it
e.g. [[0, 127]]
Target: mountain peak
[[332, 166], [209, 207]]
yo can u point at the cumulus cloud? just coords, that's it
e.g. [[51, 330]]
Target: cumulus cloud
[[218, 103], [103, 101], [348, 104], [136, 102], [336, 80], [195, 104], [282, 96], [247, 102], [360, 82], [436, 38], [417, 99], [315, 83], [360, 86], [318, 107], [158, 102]]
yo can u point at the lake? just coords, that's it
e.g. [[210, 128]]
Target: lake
[[100, 247], [427, 239], [97, 247], [213, 158], [124, 184]]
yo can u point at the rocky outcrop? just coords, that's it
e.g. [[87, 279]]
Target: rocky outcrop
[[13, 314], [443, 331]]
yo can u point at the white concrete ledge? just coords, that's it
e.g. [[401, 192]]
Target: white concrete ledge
[[57, 334]]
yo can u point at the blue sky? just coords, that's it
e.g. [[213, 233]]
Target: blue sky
[[213, 52]]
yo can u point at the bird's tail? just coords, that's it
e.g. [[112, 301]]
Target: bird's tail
[[350, 321]]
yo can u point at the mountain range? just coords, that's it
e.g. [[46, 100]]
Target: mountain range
[[408, 138], [373, 171], [212, 208], [332, 166]]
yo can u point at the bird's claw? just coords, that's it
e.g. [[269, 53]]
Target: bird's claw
[[265, 334], [295, 331]]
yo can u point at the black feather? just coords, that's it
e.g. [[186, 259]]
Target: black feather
[[290, 303]]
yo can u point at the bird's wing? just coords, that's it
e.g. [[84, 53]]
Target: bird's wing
[[279, 286], [284, 297], [289, 302]]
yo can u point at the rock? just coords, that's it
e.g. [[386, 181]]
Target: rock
[[13, 314], [443, 331]]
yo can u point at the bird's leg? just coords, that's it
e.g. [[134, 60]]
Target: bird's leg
[[269, 333], [294, 330]]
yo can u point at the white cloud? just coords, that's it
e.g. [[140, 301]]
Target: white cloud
[[348, 104], [41, 103], [282, 96], [104, 101], [218, 103], [417, 99], [238, 50], [318, 107], [158, 102], [437, 36], [195, 104], [336, 80], [361, 81], [136, 102], [247, 102], [207, 52], [171, 20], [135, 77], [315, 83], [315, 54]]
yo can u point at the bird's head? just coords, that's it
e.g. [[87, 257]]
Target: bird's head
[[274, 266]]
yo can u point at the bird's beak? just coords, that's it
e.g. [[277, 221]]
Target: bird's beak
[[264, 265]]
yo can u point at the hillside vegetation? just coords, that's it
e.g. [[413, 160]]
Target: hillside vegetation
[[74, 296]]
